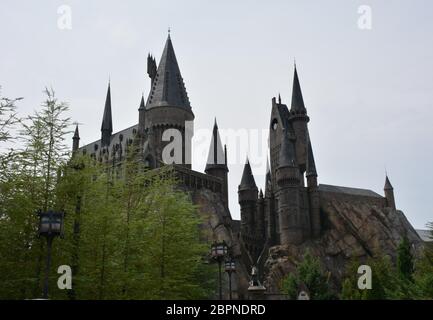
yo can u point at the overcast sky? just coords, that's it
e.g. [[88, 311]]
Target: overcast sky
[[368, 92]]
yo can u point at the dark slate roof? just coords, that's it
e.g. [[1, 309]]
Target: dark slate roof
[[247, 181], [388, 185], [168, 88], [350, 191], [216, 152], [287, 157], [141, 103], [107, 122], [297, 99], [120, 137], [311, 165], [76, 133], [425, 235]]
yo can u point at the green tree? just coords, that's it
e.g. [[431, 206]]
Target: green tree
[[26, 187], [138, 236], [423, 274], [309, 273], [8, 125], [404, 259]]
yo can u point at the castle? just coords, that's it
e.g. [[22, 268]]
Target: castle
[[292, 209]]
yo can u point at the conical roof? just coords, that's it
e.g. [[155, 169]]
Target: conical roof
[[311, 164], [107, 122], [247, 181], [297, 99], [168, 88], [216, 155], [388, 185]]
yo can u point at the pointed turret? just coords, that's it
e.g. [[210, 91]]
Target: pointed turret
[[247, 181], [216, 164], [168, 107], [311, 165], [168, 88], [216, 157], [299, 121], [388, 185], [248, 201], [389, 194], [141, 117], [107, 123], [142, 106], [313, 192], [297, 99], [76, 139]]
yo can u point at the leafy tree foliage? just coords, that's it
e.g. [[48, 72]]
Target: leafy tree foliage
[[404, 280], [405, 259], [137, 237], [310, 275]]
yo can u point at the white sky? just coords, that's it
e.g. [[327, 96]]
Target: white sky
[[369, 93]]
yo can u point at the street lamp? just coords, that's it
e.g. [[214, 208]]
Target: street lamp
[[50, 226], [218, 253], [230, 268]]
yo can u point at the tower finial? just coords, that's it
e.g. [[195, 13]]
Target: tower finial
[[279, 98], [169, 30]]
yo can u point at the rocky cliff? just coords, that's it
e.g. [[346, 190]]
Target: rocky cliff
[[218, 226], [353, 228]]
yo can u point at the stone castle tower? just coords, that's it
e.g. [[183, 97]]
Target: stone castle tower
[[165, 118], [289, 213]]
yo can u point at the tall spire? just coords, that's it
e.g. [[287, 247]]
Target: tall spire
[[216, 155], [141, 103], [107, 123], [311, 164], [168, 88], [287, 157], [247, 181], [76, 133], [388, 185], [76, 139], [297, 99]]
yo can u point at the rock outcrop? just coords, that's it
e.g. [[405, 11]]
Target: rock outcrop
[[218, 226], [351, 230]]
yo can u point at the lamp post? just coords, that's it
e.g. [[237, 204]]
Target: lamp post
[[50, 226], [218, 253], [230, 268]]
